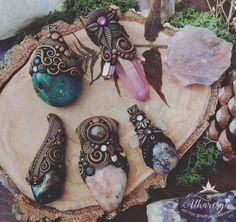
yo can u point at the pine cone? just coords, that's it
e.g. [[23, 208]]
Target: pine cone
[[222, 128]]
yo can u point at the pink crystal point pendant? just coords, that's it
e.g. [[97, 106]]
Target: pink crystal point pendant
[[103, 163], [104, 30]]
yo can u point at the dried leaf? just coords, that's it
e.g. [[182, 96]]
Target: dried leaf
[[106, 38], [153, 23], [153, 70], [116, 77], [99, 75], [92, 64], [87, 55]]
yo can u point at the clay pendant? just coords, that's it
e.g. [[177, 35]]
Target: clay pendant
[[158, 150], [47, 171], [56, 72], [103, 163], [105, 31]]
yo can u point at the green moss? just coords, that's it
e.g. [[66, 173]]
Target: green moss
[[75, 8], [190, 16], [203, 156], [72, 10], [81, 7]]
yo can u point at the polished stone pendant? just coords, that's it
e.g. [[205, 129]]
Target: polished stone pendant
[[47, 171], [158, 150], [103, 163], [56, 72]]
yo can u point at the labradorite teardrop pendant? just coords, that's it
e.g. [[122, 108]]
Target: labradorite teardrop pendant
[[56, 72], [47, 172]]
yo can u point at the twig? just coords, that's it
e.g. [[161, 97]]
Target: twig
[[150, 46], [220, 12]]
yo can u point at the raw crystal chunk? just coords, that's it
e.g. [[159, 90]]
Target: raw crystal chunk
[[107, 186], [197, 55]]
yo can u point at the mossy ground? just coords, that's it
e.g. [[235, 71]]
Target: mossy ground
[[202, 157], [190, 16]]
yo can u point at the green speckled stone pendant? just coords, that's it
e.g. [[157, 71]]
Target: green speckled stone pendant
[[56, 72], [47, 171]]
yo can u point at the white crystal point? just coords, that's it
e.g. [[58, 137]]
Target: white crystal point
[[107, 186], [197, 55], [133, 141]]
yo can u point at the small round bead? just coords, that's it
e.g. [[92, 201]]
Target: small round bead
[[55, 35], [85, 164], [41, 68], [103, 148], [35, 69], [114, 51], [37, 61], [67, 53], [62, 49], [90, 171], [139, 118]]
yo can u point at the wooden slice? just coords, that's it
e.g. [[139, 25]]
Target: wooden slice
[[24, 126]]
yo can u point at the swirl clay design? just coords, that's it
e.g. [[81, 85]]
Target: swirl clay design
[[47, 171]]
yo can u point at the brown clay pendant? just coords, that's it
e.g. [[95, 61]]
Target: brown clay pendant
[[56, 71], [47, 171], [103, 163], [158, 150], [105, 31]]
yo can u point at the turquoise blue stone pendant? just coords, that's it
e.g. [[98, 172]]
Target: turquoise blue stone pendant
[[60, 90], [47, 171], [56, 71]]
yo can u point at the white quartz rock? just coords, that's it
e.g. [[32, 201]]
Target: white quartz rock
[[107, 186], [16, 14], [167, 8], [197, 55]]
